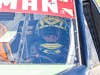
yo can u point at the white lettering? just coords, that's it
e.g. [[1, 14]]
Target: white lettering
[[26, 4], [13, 3], [64, 0], [52, 5]]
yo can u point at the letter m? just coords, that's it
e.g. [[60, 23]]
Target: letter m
[[12, 3]]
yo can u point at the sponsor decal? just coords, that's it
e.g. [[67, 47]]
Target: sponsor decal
[[62, 8]]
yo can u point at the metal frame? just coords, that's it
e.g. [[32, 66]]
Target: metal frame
[[92, 16], [82, 35]]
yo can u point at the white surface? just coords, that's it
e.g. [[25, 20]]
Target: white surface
[[8, 36]]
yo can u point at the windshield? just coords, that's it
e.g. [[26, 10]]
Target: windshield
[[39, 39]]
